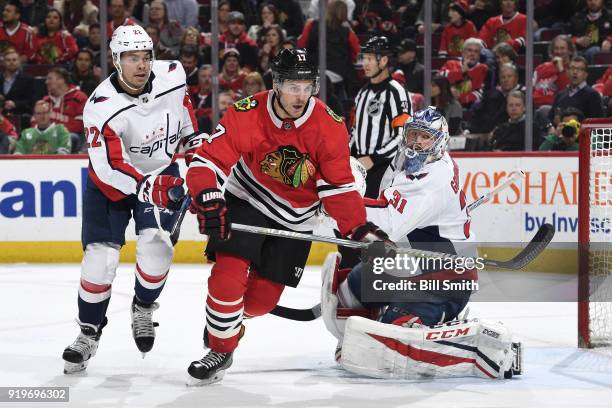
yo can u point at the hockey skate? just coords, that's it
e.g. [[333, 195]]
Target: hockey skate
[[209, 369], [143, 326], [517, 364], [78, 354]]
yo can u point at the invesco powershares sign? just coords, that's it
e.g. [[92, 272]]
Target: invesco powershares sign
[[40, 200]]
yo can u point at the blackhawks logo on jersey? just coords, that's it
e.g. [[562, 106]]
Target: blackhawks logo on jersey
[[288, 166], [502, 35], [245, 104], [456, 44], [333, 114]]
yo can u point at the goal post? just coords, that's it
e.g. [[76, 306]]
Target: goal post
[[594, 234]]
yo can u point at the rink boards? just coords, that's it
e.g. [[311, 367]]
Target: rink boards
[[40, 208]]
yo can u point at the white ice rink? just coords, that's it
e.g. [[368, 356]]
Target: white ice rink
[[279, 363]]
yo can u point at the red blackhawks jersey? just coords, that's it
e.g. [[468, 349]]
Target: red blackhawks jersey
[[469, 84], [453, 37], [547, 81], [20, 38], [283, 168], [497, 30]]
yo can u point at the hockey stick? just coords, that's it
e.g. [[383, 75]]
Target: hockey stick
[[540, 240], [534, 248], [485, 198]]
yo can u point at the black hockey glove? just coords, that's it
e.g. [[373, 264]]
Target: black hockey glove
[[210, 209]]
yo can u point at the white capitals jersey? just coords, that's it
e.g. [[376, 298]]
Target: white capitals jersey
[[132, 136], [428, 206]]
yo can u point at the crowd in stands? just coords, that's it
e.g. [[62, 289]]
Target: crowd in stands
[[50, 60]]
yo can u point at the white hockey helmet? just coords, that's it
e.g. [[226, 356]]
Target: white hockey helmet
[[411, 157], [129, 38]]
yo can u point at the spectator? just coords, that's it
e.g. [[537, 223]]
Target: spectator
[[291, 17], [224, 10], [13, 31], [189, 60], [252, 84], [468, 75], [184, 11], [481, 11], [503, 54], [442, 98], [16, 86], [271, 47], [225, 101], [119, 16], [67, 103], [53, 44], [34, 12], [78, 15], [46, 137], [200, 95], [313, 9], [170, 31], [590, 27], [93, 42], [510, 27], [161, 51], [578, 94], [192, 37], [231, 75], [565, 136], [457, 30], [491, 110], [439, 16], [268, 15], [236, 38], [341, 42], [8, 134], [411, 70], [84, 74], [551, 77], [510, 136]]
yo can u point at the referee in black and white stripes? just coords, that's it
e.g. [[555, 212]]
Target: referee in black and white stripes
[[382, 107]]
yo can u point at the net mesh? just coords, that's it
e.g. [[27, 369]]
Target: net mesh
[[600, 238]]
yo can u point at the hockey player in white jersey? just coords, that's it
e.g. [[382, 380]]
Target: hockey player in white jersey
[[416, 333], [135, 122]]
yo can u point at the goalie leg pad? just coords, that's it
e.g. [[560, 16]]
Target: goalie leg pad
[[456, 349]]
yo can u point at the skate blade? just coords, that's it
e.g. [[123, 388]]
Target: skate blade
[[196, 382], [73, 368]]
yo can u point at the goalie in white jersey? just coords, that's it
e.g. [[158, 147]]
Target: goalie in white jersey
[[135, 122], [415, 332]]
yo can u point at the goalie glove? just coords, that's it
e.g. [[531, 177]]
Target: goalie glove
[[162, 190], [210, 209]]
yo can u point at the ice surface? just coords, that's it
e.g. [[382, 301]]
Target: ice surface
[[279, 363]]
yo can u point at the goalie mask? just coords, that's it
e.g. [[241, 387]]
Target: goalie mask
[[424, 140], [130, 38]]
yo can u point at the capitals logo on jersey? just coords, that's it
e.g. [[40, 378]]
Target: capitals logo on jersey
[[287, 165]]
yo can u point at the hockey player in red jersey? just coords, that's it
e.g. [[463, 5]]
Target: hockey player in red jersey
[[271, 161]]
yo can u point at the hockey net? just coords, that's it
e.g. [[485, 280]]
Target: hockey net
[[595, 235]]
